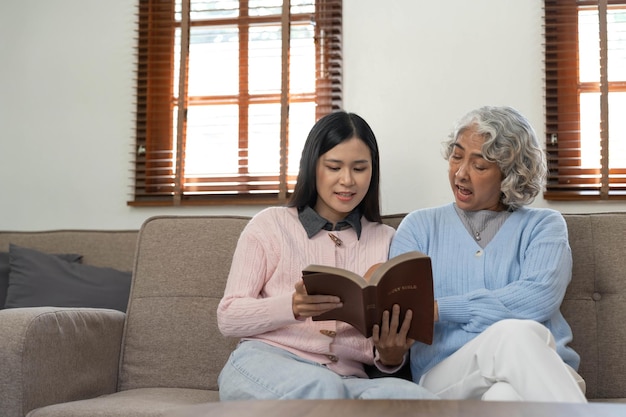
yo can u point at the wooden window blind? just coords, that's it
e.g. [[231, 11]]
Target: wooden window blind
[[226, 94], [585, 69]]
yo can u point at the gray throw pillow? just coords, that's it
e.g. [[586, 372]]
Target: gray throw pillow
[[4, 271], [37, 279]]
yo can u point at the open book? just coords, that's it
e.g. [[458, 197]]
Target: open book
[[406, 280]]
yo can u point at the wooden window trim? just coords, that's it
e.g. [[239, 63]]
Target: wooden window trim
[[157, 182], [567, 180]]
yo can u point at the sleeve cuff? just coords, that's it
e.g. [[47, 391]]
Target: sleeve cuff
[[455, 309], [388, 369], [282, 306]]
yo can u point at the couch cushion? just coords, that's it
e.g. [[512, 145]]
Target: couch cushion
[[5, 268], [148, 402], [171, 337], [595, 302], [393, 220], [111, 248], [38, 279], [579, 308], [609, 296]]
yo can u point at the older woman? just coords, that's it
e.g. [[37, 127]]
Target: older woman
[[501, 270]]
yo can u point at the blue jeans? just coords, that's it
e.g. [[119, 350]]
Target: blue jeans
[[256, 370]]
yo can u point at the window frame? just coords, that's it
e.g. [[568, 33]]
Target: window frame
[[159, 156], [567, 180]]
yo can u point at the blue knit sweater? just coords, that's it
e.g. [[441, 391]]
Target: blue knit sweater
[[522, 273]]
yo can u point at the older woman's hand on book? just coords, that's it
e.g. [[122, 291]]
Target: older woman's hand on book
[[390, 337]]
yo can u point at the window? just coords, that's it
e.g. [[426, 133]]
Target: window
[[226, 94], [585, 58]]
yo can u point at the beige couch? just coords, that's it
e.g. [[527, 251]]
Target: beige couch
[[166, 351]]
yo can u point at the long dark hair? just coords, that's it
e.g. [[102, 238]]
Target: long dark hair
[[328, 132]]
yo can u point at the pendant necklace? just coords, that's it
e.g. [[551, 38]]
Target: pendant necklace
[[475, 233], [490, 222]]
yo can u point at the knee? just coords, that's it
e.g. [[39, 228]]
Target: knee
[[501, 391], [411, 390], [325, 386], [397, 389]]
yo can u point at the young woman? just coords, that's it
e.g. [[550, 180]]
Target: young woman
[[334, 219], [500, 271]]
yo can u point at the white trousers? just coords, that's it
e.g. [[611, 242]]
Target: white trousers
[[513, 360]]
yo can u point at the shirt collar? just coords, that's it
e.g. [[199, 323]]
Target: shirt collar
[[313, 222]]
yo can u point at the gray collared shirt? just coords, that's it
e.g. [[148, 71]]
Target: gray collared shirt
[[313, 222]]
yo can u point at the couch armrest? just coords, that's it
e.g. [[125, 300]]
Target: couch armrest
[[50, 355]]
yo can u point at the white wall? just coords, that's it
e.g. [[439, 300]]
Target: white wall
[[66, 100]]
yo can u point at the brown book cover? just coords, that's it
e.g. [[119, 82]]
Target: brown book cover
[[406, 280]]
